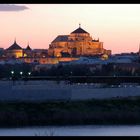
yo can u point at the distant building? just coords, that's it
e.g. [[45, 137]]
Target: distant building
[[27, 51], [1, 52], [78, 43], [14, 51], [139, 50], [64, 48], [28, 55]]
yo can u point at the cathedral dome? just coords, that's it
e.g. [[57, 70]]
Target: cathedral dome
[[14, 46], [79, 30]]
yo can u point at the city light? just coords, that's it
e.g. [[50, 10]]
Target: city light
[[21, 73], [12, 72], [29, 73]]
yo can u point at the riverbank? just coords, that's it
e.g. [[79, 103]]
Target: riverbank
[[109, 111]]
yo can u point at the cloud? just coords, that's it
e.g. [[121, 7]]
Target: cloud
[[12, 7]]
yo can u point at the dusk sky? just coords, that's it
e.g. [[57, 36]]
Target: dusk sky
[[117, 25]]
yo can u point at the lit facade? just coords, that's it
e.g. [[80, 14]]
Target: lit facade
[[28, 55], [14, 51], [78, 43]]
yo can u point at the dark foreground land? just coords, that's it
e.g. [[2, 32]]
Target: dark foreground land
[[114, 111]]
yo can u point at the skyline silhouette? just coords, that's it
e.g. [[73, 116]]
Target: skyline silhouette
[[117, 25]]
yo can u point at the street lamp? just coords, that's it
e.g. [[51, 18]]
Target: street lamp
[[13, 78], [21, 73], [29, 73], [12, 72]]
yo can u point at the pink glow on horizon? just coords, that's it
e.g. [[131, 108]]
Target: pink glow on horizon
[[117, 25]]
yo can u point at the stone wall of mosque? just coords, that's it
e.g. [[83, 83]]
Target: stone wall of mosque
[[47, 60], [14, 53], [83, 44]]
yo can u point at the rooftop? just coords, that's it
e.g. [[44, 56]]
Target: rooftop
[[60, 38], [14, 46], [79, 30]]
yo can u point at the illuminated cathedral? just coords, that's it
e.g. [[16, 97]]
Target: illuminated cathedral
[[63, 48], [16, 51], [78, 43]]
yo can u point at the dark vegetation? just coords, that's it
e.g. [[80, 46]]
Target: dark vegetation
[[88, 70], [66, 70], [5, 70], [113, 111]]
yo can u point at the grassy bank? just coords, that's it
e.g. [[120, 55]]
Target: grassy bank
[[114, 111]]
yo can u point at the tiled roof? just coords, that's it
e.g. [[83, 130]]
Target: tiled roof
[[28, 48], [14, 46], [79, 30], [61, 38]]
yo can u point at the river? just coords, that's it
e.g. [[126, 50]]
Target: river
[[81, 130]]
